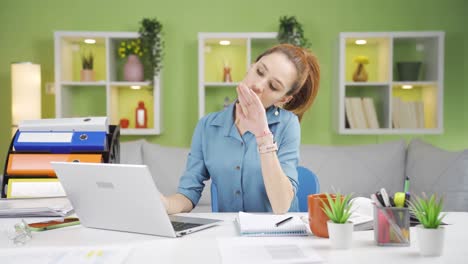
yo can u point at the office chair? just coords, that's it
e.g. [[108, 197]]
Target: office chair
[[308, 184]]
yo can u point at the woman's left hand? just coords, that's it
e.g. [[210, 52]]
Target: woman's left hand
[[250, 111]]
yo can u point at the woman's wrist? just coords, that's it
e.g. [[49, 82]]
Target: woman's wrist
[[264, 140]]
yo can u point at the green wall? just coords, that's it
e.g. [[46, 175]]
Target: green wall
[[27, 27]]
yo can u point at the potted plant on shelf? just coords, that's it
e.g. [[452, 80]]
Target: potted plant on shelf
[[133, 68], [290, 31], [87, 62], [340, 230], [430, 233], [152, 44]]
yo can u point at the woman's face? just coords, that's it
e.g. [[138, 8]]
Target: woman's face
[[271, 78]]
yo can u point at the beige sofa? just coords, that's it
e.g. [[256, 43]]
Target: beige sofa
[[359, 169]]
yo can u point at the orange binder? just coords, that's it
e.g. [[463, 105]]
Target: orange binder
[[39, 164]]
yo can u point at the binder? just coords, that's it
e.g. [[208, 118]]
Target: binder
[[39, 164], [60, 142], [82, 124], [265, 225], [34, 187]]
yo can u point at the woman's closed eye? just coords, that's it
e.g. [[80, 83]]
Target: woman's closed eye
[[260, 72]]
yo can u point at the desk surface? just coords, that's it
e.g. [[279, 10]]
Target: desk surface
[[202, 247]]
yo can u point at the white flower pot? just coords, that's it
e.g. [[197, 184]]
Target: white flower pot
[[341, 235], [430, 241]]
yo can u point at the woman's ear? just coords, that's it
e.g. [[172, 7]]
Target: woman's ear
[[284, 100]]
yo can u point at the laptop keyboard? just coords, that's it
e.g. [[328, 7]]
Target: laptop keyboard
[[179, 226]]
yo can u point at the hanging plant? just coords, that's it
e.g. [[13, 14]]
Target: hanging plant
[[153, 44], [290, 31]]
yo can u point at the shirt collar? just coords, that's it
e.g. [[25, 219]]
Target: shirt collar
[[226, 119]]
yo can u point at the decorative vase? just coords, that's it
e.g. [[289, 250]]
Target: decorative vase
[[341, 235], [360, 74], [408, 71], [124, 122], [227, 74], [133, 69], [87, 75], [317, 217], [430, 241]]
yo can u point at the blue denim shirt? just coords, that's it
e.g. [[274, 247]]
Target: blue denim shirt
[[232, 161]]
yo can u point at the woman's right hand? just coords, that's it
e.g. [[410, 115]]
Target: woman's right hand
[[164, 200]]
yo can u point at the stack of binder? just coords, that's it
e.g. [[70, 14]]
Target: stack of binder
[[36, 143]]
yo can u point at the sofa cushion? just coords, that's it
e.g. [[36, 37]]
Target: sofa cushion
[[167, 164], [131, 152], [360, 170], [433, 170]]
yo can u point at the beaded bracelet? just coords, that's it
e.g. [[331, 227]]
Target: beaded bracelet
[[267, 148], [266, 132]]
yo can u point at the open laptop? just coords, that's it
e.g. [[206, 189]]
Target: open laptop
[[121, 197]]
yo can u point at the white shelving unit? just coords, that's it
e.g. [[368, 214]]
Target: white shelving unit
[[384, 51], [242, 51], [109, 95]]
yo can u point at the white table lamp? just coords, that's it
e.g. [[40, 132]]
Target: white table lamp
[[25, 92]]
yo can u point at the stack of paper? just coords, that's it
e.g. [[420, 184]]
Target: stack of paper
[[57, 206], [265, 225]]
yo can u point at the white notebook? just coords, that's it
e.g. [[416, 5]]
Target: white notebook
[[265, 225]]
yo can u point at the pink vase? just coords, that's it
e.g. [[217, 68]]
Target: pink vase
[[133, 69]]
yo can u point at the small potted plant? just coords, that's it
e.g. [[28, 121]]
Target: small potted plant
[[152, 43], [87, 62], [290, 31], [430, 233], [340, 230]]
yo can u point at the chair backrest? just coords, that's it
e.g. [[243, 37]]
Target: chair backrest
[[214, 198], [308, 184]]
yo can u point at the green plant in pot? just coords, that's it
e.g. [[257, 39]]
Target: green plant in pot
[[153, 44], [430, 233], [338, 209], [87, 63], [290, 31]]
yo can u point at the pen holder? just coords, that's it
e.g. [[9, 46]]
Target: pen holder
[[391, 226]]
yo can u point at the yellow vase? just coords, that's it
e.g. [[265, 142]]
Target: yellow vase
[[360, 74]]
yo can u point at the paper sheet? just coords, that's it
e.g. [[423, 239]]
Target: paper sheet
[[260, 250], [65, 256]]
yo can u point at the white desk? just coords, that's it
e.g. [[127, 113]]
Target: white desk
[[202, 247]]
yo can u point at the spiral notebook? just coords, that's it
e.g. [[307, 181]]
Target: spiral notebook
[[264, 225]]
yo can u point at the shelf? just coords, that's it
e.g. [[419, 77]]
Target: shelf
[[109, 95], [405, 100], [79, 83], [367, 84], [138, 131], [243, 49], [221, 84]]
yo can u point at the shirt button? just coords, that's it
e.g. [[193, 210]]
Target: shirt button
[[242, 143], [237, 167], [238, 192]]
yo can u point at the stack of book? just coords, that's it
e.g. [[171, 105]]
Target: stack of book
[[407, 114], [36, 143], [361, 113]]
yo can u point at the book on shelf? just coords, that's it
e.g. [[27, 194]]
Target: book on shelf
[[370, 113], [266, 225], [349, 113], [358, 112], [396, 112]]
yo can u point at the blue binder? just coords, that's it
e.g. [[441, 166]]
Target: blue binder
[[60, 142]]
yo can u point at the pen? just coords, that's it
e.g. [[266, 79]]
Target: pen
[[283, 221], [406, 188]]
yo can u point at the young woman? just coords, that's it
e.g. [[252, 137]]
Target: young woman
[[250, 150]]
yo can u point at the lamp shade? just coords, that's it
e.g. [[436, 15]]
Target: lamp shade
[[25, 91]]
